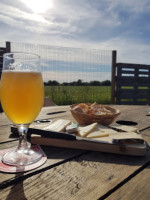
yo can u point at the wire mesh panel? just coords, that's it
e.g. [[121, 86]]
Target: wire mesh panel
[[73, 75]]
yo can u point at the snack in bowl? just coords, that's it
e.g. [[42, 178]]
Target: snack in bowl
[[87, 113]]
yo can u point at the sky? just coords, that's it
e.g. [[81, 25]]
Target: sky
[[121, 25]]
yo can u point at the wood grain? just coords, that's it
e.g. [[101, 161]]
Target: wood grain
[[132, 149], [136, 188], [4, 120], [54, 156], [76, 174], [87, 177], [5, 134]]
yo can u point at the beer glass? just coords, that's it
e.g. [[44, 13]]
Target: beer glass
[[22, 95]]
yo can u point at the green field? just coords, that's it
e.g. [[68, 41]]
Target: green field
[[66, 95]]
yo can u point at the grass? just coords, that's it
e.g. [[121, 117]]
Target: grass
[[66, 95]]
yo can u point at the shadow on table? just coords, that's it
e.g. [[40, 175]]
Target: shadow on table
[[90, 158], [17, 190], [93, 156]]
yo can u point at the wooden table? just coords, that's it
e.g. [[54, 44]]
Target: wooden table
[[79, 174]]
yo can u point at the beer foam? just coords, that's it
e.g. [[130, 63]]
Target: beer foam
[[20, 71]]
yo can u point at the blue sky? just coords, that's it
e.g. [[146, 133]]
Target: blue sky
[[69, 71], [121, 25]]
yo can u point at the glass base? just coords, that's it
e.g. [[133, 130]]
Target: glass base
[[21, 157]]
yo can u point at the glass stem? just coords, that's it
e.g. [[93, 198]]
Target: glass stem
[[22, 129]]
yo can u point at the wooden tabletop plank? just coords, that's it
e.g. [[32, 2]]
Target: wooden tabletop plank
[[129, 113], [134, 113], [54, 156], [137, 188], [4, 120], [46, 113], [5, 134], [89, 176]]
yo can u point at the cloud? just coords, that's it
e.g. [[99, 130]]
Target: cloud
[[100, 24], [16, 18]]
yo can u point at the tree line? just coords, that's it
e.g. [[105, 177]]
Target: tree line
[[79, 82]]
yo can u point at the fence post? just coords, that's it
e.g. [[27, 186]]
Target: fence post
[[113, 76], [8, 47]]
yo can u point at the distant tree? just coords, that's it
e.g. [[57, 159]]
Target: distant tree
[[95, 83], [73, 83], [79, 82], [106, 83], [45, 83], [49, 83], [53, 83], [65, 83]]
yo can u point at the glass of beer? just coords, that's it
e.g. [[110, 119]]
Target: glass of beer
[[22, 95]]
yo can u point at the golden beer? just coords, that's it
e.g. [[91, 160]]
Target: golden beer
[[22, 94], [0, 91]]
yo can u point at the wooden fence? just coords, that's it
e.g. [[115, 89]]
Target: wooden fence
[[131, 84], [3, 50]]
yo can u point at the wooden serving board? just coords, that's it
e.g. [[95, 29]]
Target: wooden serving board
[[102, 144], [130, 149]]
